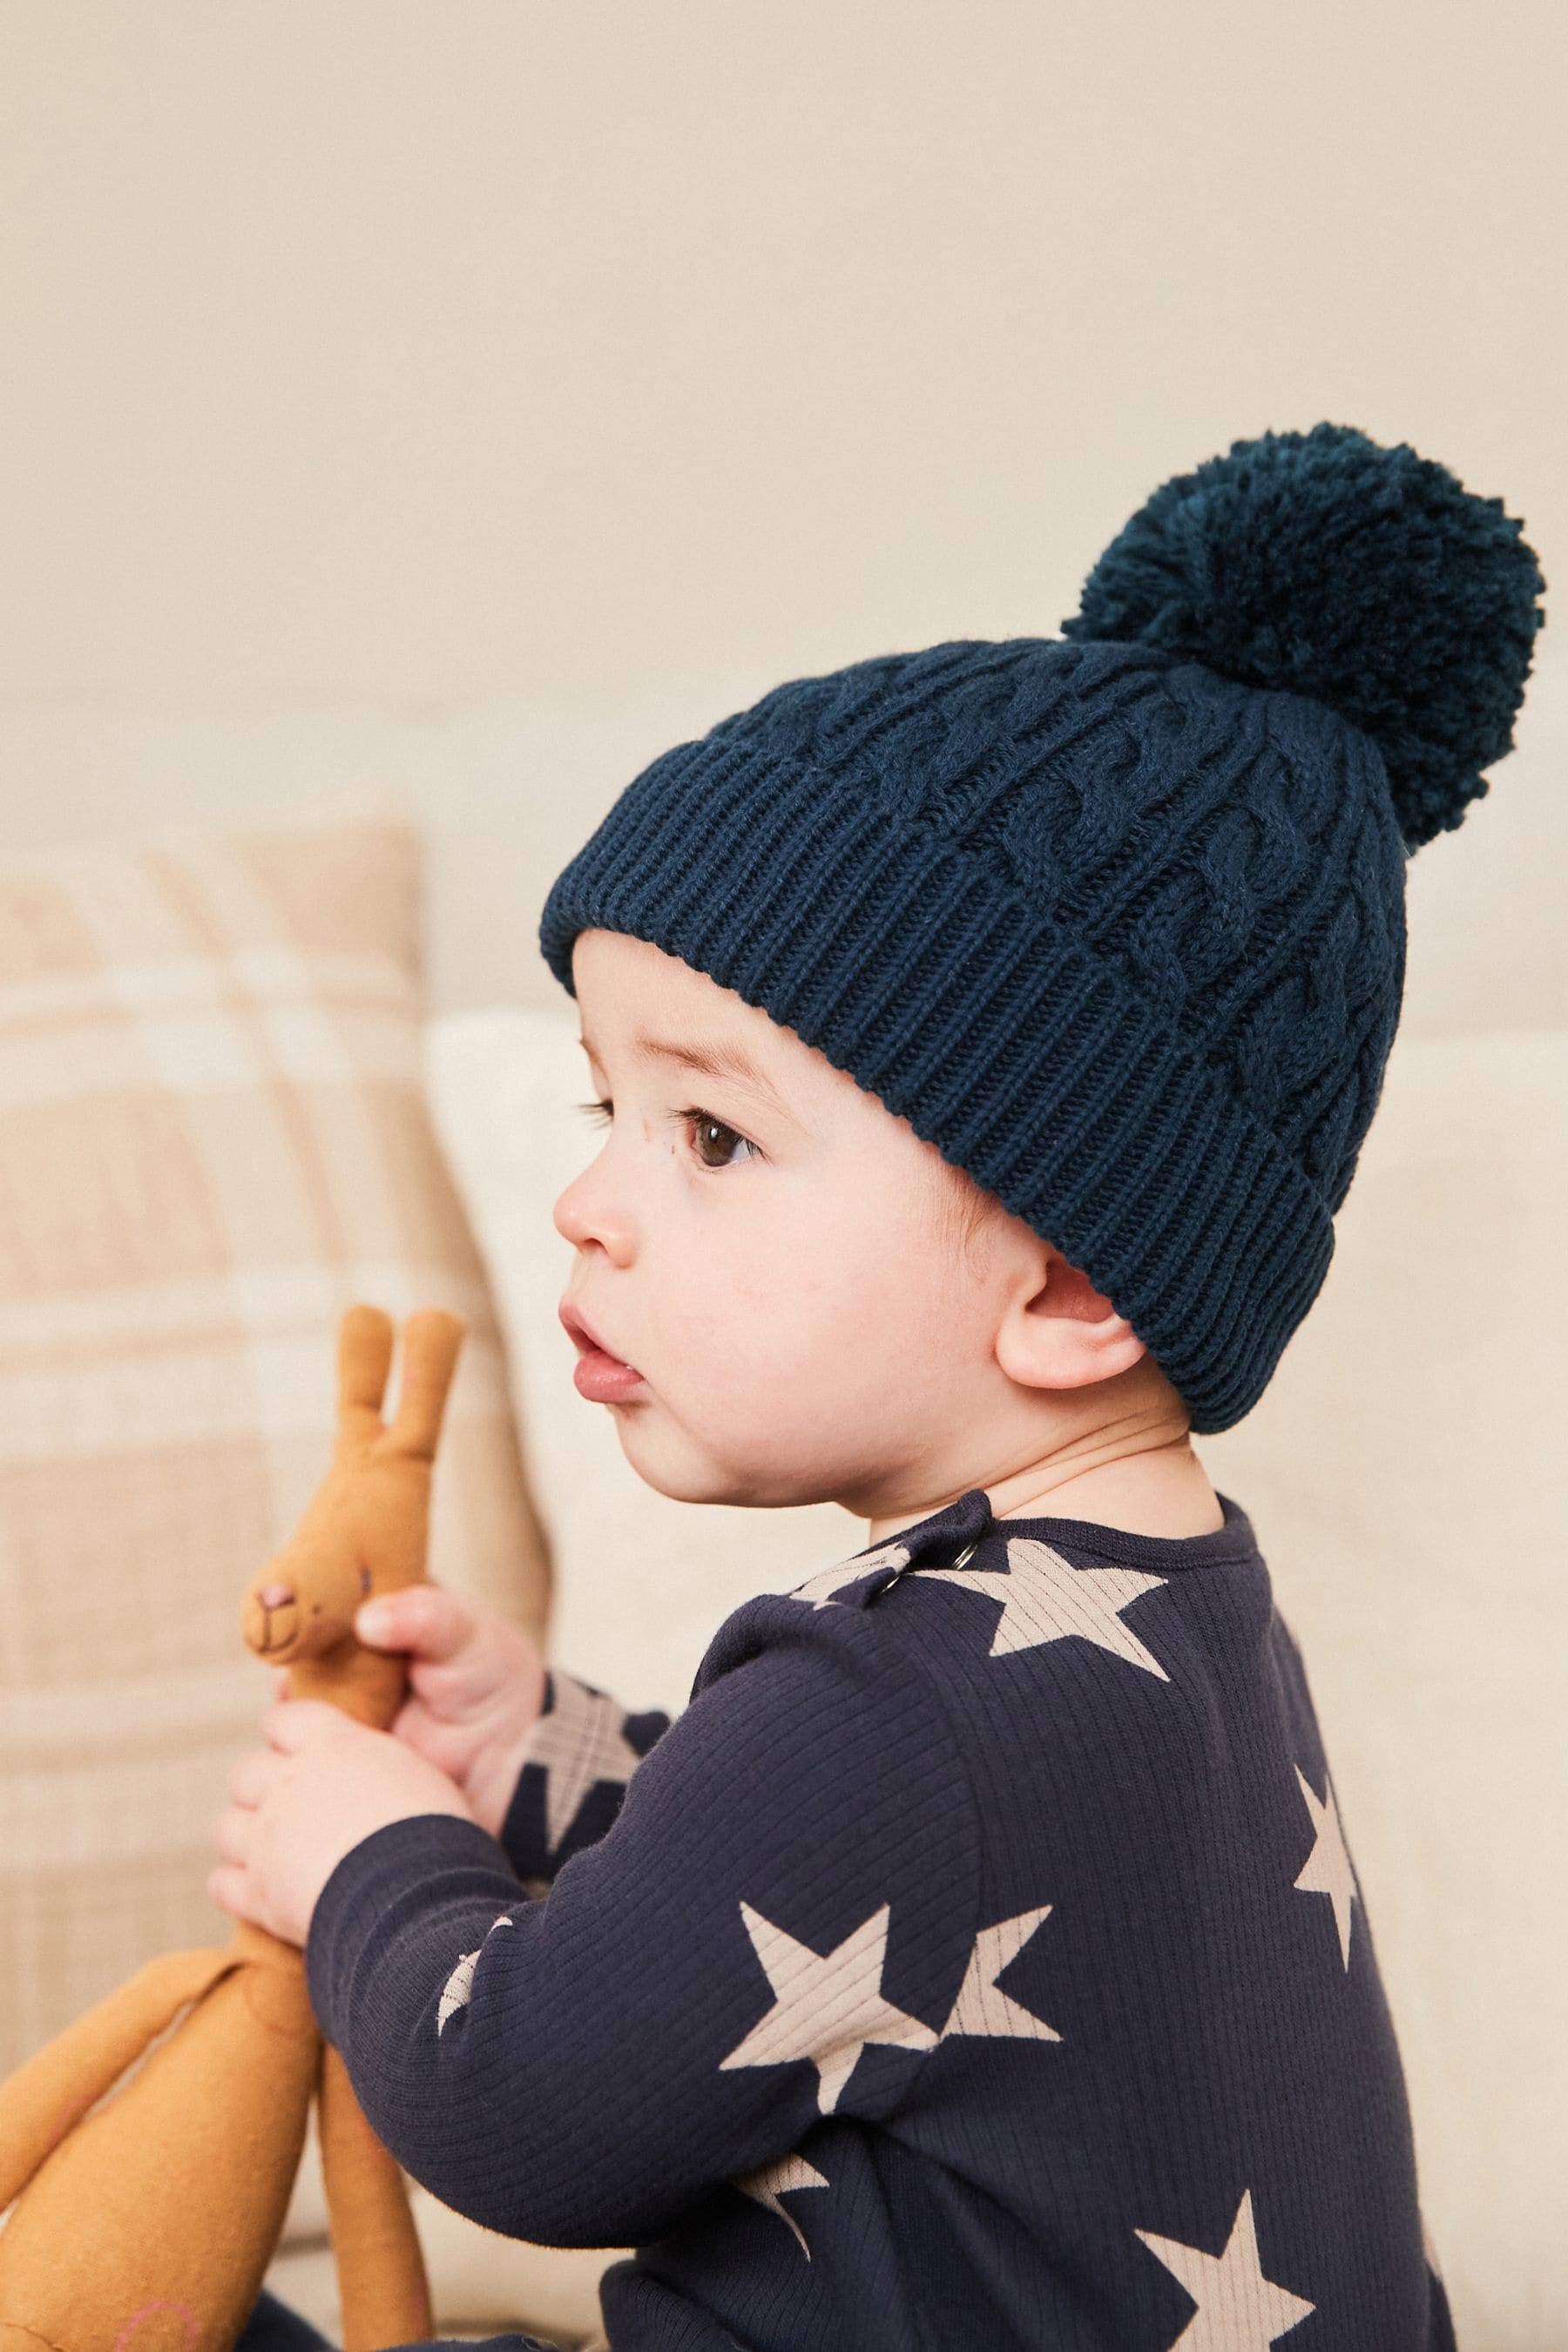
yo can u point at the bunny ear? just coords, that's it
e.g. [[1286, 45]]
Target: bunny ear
[[431, 1340], [364, 1358]]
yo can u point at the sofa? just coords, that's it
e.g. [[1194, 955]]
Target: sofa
[[228, 1111]]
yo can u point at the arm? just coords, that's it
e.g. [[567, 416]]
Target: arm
[[580, 1754], [775, 1928], [541, 1758]]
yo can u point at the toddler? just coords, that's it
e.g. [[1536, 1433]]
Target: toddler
[[985, 1038]]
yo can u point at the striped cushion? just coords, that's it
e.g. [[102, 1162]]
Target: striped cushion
[[212, 1136]]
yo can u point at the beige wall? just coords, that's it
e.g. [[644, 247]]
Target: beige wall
[[471, 395]]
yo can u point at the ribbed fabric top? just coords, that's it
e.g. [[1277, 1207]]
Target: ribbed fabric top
[[976, 1962]]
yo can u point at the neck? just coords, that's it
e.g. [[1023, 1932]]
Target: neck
[[1121, 1456]]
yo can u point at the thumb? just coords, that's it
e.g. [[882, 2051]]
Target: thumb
[[424, 1619]]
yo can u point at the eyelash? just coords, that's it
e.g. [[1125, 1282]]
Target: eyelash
[[603, 1111]]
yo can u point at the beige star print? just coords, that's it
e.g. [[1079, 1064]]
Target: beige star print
[[826, 2005], [819, 1590], [981, 2007], [1238, 2310], [772, 2181], [1327, 1869], [1045, 1598], [460, 1983], [581, 1741]]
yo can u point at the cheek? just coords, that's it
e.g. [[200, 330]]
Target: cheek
[[793, 1347], [833, 1295], [731, 1300]]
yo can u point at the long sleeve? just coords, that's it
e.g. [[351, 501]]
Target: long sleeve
[[583, 1749], [773, 1928], [978, 1959]]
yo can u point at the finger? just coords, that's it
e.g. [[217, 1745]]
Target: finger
[[424, 1619], [227, 1888], [232, 1834], [248, 1776]]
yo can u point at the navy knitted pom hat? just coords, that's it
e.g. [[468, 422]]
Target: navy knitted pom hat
[[1117, 921]]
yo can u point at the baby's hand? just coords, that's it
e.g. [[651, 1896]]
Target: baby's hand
[[476, 1687], [322, 1783]]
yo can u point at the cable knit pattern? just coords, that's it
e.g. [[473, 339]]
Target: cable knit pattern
[[1121, 935]]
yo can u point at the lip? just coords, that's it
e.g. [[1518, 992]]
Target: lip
[[598, 1374]]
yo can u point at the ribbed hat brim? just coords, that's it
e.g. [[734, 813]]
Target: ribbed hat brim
[[1002, 1040]]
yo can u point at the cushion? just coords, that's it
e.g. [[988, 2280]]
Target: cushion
[[1409, 1483], [1407, 1476], [213, 1138]]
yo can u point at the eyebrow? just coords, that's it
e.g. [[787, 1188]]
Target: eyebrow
[[715, 1061]]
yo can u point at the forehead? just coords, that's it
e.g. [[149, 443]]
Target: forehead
[[628, 989], [623, 974], [638, 1003]]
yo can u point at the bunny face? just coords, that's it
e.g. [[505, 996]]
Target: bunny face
[[364, 1529], [301, 1604]]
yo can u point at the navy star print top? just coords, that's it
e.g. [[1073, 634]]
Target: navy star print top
[[977, 1960]]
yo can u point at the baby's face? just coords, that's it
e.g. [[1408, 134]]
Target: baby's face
[[778, 1266]]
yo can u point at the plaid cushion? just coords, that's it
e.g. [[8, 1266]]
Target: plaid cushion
[[212, 1136]]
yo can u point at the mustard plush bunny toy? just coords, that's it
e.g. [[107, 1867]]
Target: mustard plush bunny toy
[[151, 2147]]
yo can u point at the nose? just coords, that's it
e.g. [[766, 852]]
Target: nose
[[273, 1596], [588, 1212]]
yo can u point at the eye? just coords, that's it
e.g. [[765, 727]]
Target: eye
[[716, 1145], [600, 1112]]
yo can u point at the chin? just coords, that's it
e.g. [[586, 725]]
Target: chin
[[681, 1469]]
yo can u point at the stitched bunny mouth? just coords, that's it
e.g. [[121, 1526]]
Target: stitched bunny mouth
[[283, 1631], [270, 1631]]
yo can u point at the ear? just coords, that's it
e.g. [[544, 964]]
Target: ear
[[431, 1340], [364, 1356], [1059, 1332]]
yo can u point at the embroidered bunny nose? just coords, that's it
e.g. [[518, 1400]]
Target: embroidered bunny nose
[[273, 1596]]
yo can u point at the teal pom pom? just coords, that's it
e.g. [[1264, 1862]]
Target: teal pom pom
[[1367, 578]]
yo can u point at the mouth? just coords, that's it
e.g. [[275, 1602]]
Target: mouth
[[601, 1377]]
